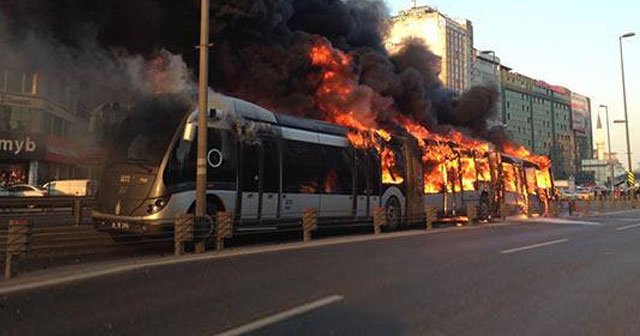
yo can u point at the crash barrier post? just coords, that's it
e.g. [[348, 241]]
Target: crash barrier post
[[431, 216], [379, 219], [572, 206], [77, 211], [18, 238], [587, 207], [224, 229], [309, 223], [183, 232], [472, 213], [503, 211], [201, 232], [600, 205], [553, 209], [611, 205]]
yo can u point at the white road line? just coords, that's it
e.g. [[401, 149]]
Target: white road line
[[263, 322], [627, 227], [534, 246], [560, 221]]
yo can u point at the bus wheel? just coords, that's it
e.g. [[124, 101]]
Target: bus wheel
[[394, 214]]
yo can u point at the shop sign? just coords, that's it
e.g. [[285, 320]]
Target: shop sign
[[21, 147]]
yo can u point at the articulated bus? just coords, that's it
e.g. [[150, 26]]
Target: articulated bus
[[266, 169]]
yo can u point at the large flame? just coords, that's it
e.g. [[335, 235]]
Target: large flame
[[452, 161], [347, 103]]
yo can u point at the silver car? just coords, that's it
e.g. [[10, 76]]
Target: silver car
[[26, 190]]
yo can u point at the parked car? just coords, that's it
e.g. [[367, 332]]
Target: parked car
[[26, 190], [71, 188], [566, 195], [585, 194], [4, 192]]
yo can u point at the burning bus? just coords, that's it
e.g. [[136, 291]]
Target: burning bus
[[264, 167], [267, 168]]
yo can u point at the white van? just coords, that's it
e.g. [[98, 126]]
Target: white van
[[70, 188]]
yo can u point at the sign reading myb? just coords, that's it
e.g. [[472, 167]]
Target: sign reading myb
[[17, 146]]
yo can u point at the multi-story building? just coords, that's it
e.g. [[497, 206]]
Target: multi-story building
[[516, 107], [486, 71], [450, 39], [540, 116], [40, 128], [562, 150]]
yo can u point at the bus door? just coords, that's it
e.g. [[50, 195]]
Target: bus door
[[374, 181], [302, 168], [337, 177], [250, 181], [271, 176], [362, 182]]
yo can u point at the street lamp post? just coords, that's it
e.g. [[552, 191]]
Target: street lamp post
[[624, 97], [606, 109], [203, 104]]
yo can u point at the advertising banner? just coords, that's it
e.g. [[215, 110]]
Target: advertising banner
[[580, 113]]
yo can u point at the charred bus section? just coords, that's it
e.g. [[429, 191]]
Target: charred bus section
[[267, 168]]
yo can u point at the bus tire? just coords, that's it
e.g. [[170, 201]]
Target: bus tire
[[214, 204], [393, 213]]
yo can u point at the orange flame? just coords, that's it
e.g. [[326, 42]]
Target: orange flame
[[452, 161]]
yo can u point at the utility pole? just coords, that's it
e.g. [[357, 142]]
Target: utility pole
[[606, 109], [624, 97], [203, 104]]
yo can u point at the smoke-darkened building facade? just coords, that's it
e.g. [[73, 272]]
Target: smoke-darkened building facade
[[39, 128], [449, 39]]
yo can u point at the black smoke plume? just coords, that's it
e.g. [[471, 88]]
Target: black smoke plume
[[261, 51]]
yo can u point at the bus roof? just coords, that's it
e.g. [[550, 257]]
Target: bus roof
[[249, 111]]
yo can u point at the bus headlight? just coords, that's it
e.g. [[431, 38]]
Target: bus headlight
[[157, 205]]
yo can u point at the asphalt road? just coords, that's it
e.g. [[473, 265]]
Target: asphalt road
[[522, 279]]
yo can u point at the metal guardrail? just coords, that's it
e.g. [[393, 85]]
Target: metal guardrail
[[49, 202]]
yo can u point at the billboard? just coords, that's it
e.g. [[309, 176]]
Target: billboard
[[580, 113]]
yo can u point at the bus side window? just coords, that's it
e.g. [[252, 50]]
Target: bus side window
[[271, 170], [337, 174], [302, 167]]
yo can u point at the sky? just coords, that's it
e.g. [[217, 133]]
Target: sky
[[570, 43]]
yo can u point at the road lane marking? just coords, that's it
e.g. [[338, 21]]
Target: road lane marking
[[285, 315], [558, 221], [627, 227], [534, 246]]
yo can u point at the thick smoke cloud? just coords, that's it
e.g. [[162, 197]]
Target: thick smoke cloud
[[74, 43], [261, 52]]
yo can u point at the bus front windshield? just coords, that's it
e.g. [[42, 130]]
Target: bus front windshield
[[145, 134]]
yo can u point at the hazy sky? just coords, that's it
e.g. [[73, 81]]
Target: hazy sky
[[570, 43]]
